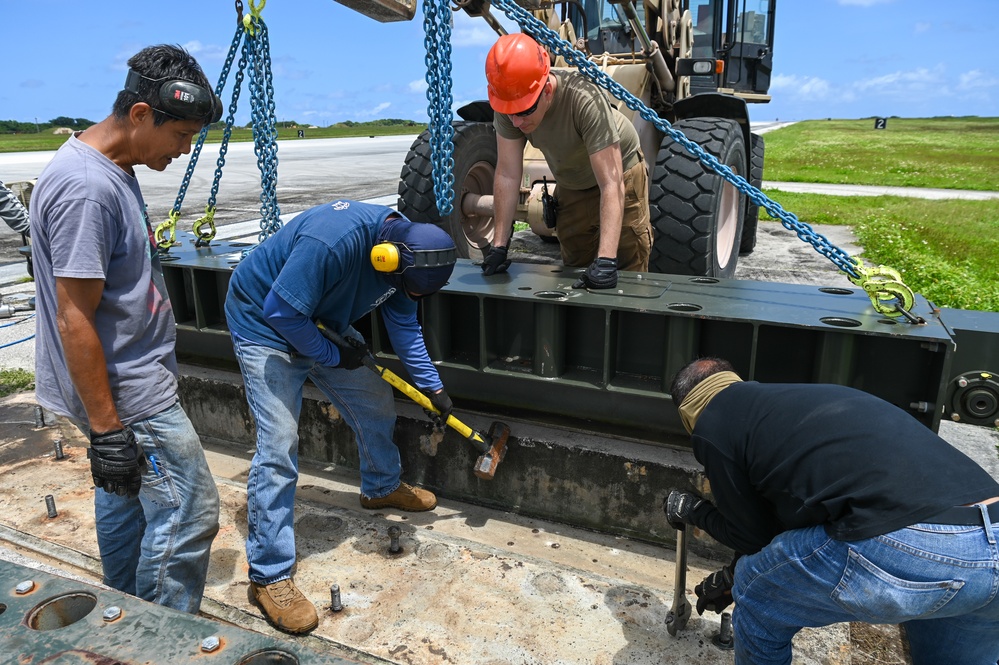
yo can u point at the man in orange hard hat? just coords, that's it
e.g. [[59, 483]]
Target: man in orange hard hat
[[592, 150]]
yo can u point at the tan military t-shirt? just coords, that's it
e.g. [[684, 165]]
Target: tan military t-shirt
[[579, 123]]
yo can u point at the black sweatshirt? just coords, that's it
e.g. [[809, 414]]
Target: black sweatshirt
[[786, 456]]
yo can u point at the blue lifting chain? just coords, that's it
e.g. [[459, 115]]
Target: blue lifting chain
[[883, 285], [437, 25], [255, 53]]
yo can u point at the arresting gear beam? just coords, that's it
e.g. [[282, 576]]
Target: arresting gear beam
[[526, 342]]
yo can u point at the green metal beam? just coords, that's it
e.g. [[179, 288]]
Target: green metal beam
[[526, 341]]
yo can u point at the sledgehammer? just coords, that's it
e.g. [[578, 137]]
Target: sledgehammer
[[492, 446], [679, 614]]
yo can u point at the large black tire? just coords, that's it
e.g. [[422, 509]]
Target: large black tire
[[749, 224], [474, 167], [696, 214]]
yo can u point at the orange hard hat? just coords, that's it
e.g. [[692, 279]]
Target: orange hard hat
[[516, 70]]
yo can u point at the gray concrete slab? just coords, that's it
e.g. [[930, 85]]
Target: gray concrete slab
[[471, 585]]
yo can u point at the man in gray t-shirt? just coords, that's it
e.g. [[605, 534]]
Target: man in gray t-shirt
[[106, 333]]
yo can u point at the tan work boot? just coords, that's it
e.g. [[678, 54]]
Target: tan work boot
[[284, 606], [406, 497]]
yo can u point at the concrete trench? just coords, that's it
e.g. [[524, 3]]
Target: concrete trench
[[472, 584]]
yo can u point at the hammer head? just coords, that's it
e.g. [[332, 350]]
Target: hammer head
[[485, 466]]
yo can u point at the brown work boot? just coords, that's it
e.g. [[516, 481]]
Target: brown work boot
[[284, 606], [406, 497]]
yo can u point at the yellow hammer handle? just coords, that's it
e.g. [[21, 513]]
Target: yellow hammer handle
[[397, 382]]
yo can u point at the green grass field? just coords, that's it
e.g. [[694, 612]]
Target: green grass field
[[945, 249], [950, 153]]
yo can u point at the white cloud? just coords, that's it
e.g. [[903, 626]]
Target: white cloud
[[372, 112], [804, 88], [203, 52], [914, 83], [922, 27], [976, 80], [468, 31], [418, 86], [478, 34]]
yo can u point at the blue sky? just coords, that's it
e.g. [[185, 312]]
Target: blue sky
[[832, 58]]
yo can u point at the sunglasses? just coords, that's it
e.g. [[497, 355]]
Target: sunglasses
[[534, 107]]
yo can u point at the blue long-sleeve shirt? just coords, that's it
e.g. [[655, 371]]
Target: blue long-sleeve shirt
[[319, 266]]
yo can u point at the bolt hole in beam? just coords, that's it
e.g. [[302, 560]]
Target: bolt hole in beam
[[840, 322], [269, 657], [703, 280], [683, 307], [889, 322], [61, 611], [832, 290], [552, 295], [524, 288]]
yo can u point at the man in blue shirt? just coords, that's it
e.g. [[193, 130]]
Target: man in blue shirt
[[332, 264]]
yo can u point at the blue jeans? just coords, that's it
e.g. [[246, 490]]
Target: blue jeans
[[939, 581], [274, 381], [156, 546]]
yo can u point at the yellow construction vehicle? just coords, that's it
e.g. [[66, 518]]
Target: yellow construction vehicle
[[696, 63]]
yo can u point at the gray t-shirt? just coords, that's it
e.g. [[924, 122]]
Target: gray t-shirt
[[88, 221]]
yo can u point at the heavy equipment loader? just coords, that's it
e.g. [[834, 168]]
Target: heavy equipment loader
[[696, 63]]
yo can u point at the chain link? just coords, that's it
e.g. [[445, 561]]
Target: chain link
[[255, 58], [264, 120], [437, 25], [894, 290], [170, 224]]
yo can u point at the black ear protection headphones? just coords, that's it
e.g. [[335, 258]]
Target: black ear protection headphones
[[385, 257], [180, 99]]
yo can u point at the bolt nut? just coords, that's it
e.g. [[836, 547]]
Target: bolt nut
[[112, 613], [956, 417], [210, 644], [962, 382], [24, 587]]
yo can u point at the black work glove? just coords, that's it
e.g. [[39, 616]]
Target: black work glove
[[117, 462], [442, 403], [601, 274], [679, 506], [352, 353], [495, 261], [715, 591]]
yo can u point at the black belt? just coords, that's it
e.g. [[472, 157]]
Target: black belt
[[965, 515]]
